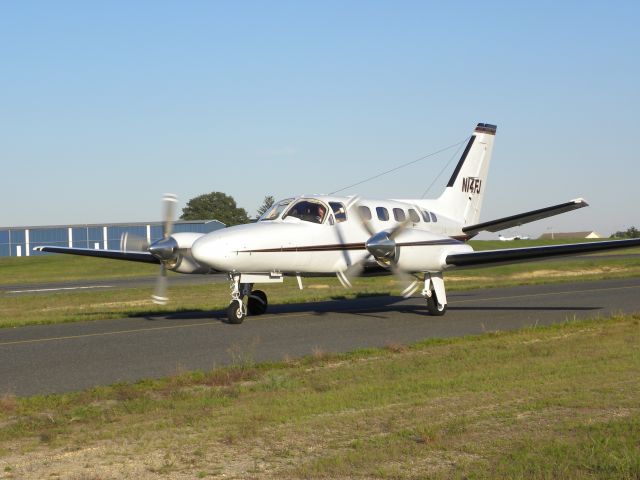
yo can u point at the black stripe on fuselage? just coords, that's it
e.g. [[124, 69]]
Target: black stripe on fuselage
[[312, 248], [452, 180], [349, 246]]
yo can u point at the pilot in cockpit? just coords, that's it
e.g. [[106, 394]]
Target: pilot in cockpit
[[320, 214]]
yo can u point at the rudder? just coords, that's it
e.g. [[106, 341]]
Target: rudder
[[462, 198]]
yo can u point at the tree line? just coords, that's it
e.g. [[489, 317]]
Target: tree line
[[631, 232], [221, 207]]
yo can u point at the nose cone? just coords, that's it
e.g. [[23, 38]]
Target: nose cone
[[209, 251]]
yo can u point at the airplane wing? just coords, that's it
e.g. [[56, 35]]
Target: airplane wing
[[145, 257], [522, 218], [515, 255]]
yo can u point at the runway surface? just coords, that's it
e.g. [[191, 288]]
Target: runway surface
[[66, 357]]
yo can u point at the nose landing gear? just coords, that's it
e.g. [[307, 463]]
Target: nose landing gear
[[244, 301]]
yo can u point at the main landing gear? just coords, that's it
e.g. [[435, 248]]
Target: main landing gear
[[245, 301], [434, 294]]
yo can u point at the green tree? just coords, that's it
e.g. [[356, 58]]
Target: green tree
[[267, 203], [631, 232], [215, 205]]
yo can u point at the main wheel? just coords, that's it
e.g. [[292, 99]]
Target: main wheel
[[234, 313], [257, 303], [434, 308]]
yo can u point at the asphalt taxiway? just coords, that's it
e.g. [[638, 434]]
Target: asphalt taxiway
[[66, 357]]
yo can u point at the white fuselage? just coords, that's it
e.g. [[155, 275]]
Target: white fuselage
[[293, 242]]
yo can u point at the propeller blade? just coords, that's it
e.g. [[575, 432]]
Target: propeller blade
[[159, 296], [344, 280], [130, 242], [410, 289], [353, 271], [398, 229], [169, 200], [409, 282], [379, 243], [354, 206]]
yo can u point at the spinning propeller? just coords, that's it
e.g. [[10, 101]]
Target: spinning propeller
[[165, 249], [383, 248]]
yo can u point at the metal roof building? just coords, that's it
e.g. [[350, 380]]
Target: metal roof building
[[20, 241], [561, 235]]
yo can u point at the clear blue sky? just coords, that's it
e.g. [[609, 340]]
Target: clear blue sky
[[107, 105]]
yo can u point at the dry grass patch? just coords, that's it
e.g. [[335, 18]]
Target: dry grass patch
[[396, 347], [8, 403]]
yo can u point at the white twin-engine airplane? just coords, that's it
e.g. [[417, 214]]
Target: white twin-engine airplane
[[324, 235], [510, 239]]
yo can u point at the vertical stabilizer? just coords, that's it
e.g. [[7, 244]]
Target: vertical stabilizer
[[462, 199]]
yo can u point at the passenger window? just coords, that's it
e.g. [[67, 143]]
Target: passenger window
[[339, 211], [399, 215], [383, 213], [433, 217], [365, 213], [413, 216], [425, 216]]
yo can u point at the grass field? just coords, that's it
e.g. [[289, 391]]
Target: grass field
[[550, 402], [59, 268], [123, 302]]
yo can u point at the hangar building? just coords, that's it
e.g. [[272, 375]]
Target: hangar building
[[20, 241]]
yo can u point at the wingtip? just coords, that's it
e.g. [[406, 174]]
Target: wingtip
[[580, 201]]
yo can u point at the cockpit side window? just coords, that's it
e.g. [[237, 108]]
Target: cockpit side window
[[413, 216], [339, 211], [308, 211], [425, 216], [274, 212]]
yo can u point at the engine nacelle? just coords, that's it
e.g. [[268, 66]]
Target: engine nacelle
[[421, 251], [184, 261]]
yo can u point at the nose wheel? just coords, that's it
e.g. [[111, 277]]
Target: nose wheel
[[244, 301], [236, 312]]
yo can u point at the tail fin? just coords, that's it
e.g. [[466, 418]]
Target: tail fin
[[462, 199]]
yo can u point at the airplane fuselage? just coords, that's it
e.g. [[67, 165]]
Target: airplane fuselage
[[294, 242]]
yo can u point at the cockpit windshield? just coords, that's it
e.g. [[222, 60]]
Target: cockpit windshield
[[308, 211], [276, 210]]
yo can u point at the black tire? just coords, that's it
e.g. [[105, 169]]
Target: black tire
[[234, 313], [257, 303], [433, 307]]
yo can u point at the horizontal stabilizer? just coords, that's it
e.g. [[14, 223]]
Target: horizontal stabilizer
[[522, 218], [515, 255], [113, 254]]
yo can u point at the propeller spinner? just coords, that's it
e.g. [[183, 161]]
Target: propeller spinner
[[383, 248]]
